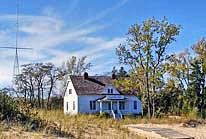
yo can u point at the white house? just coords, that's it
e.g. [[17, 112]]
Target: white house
[[96, 94]]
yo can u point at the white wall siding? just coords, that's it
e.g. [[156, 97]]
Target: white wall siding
[[131, 105], [84, 103], [70, 98]]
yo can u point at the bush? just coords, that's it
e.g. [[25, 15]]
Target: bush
[[132, 115], [18, 111], [8, 107], [104, 115]]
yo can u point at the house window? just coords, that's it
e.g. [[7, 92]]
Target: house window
[[121, 105], [67, 106], [73, 105], [70, 91], [108, 91], [135, 105], [111, 91], [92, 105]]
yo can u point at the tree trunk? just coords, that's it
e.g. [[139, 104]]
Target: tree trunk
[[154, 93], [148, 96], [25, 95], [39, 96], [42, 96], [153, 108], [50, 91]]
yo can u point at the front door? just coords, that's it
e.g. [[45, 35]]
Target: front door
[[109, 106], [114, 106]]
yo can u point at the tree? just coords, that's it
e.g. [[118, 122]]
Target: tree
[[189, 74], [53, 75], [144, 52], [200, 61], [122, 73], [178, 67], [73, 66], [37, 82]]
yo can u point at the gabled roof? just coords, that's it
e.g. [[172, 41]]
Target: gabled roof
[[91, 85]]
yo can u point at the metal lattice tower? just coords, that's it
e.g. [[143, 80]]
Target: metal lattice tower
[[16, 67]]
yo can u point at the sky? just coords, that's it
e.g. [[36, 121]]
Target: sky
[[59, 29]]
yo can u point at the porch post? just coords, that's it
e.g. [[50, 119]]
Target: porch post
[[111, 105], [100, 103]]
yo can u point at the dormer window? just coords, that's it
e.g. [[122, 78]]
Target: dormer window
[[111, 91]]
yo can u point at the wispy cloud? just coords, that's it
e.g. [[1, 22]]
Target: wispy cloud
[[46, 33], [104, 13]]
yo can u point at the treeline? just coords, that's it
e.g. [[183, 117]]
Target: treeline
[[43, 84], [166, 83]]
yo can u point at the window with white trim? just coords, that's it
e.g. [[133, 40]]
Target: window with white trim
[[111, 91], [70, 91], [121, 105], [135, 105], [73, 105], [92, 105], [67, 106]]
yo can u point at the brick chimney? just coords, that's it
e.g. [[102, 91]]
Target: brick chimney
[[86, 75], [113, 76]]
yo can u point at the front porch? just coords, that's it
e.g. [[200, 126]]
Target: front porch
[[115, 106]]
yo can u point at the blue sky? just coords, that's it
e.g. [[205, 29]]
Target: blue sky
[[58, 29]]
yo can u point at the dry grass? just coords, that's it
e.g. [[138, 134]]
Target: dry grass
[[85, 126], [90, 126]]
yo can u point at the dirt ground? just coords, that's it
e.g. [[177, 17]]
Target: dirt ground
[[198, 132]]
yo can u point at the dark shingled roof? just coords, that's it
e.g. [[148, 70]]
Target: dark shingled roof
[[92, 85]]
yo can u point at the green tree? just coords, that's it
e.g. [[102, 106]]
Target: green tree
[[200, 60], [144, 52], [178, 67]]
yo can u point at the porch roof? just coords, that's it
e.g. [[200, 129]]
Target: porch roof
[[105, 98]]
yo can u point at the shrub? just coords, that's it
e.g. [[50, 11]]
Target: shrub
[[19, 111], [8, 107], [132, 115], [104, 115]]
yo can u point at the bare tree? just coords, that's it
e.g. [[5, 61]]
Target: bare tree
[[73, 66]]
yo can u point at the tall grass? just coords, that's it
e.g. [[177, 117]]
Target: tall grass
[[85, 126], [92, 126]]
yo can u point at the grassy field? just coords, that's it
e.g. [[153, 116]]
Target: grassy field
[[82, 126], [91, 126]]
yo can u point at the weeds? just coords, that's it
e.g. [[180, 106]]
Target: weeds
[[91, 126]]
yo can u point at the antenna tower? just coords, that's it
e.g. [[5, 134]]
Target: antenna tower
[[16, 68]]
